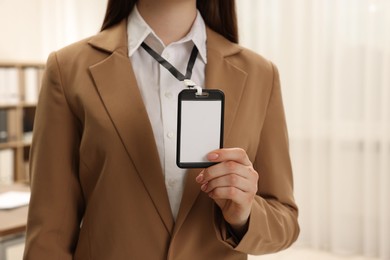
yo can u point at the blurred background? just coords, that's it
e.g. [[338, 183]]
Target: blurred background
[[334, 62]]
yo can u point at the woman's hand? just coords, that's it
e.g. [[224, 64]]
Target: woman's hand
[[232, 184]]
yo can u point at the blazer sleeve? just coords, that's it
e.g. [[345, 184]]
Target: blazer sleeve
[[273, 223], [56, 205]]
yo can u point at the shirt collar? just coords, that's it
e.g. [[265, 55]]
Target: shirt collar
[[139, 31]]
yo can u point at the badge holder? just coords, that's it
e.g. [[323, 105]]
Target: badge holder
[[199, 126]]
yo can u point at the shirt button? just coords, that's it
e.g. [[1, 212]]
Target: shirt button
[[170, 135], [171, 183], [168, 95]]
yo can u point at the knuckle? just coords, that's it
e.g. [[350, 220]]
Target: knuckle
[[255, 174], [240, 150], [233, 180], [206, 174], [256, 186], [231, 166], [231, 192], [242, 153]]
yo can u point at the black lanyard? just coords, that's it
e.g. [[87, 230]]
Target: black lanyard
[[177, 74]]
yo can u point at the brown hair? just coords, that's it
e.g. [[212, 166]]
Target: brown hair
[[219, 15]]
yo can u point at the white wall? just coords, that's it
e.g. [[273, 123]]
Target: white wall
[[334, 61], [20, 30], [31, 29]]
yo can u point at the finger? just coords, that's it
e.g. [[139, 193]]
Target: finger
[[231, 180], [229, 154], [226, 168], [230, 193]]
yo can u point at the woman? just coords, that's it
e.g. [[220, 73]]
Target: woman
[[104, 180]]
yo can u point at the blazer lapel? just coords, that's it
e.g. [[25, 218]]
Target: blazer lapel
[[220, 74], [117, 86]]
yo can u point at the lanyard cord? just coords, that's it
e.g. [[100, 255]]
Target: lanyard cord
[[177, 74]]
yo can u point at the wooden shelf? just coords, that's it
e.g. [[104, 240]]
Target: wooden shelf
[[14, 144], [8, 106], [13, 64], [24, 78], [27, 104], [15, 106], [10, 145]]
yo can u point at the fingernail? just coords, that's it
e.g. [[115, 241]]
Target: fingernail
[[212, 156], [203, 187], [199, 178]]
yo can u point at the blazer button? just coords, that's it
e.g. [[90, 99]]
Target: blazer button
[[171, 135]]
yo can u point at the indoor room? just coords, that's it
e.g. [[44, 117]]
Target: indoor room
[[329, 124]]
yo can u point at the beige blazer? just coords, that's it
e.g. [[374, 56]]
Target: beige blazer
[[98, 189]]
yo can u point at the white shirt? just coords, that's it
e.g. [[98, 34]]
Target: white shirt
[[159, 90]]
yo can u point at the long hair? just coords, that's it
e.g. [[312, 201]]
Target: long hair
[[219, 15]]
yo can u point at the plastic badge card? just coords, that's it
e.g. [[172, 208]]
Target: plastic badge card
[[200, 126]]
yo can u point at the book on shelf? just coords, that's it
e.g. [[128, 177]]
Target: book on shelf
[[3, 125], [31, 84], [27, 137], [6, 166], [10, 125], [28, 123], [9, 86]]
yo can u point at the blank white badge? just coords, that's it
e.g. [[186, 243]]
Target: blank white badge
[[200, 129]]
